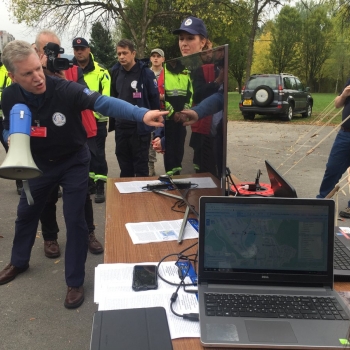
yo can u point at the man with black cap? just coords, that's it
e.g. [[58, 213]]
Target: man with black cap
[[97, 78]]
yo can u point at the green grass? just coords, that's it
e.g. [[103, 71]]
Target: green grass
[[323, 108]]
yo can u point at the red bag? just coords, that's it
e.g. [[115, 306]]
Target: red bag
[[87, 116]]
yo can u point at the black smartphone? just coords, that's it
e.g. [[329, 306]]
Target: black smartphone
[[144, 277]]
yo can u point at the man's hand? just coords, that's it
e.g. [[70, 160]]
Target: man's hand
[[346, 92], [186, 117], [339, 101], [59, 74], [154, 118], [157, 145]]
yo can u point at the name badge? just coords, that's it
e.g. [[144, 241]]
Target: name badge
[[38, 131], [136, 94]]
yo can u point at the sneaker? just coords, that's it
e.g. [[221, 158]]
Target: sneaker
[[95, 247], [345, 213]]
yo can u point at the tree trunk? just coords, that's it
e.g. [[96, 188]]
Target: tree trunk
[[251, 40]]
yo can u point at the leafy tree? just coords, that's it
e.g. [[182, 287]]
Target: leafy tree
[[102, 45], [338, 66], [159, 32], [238, 47], [258, 6], [75, 15], [261, 59], [316, 43], [283, 49]]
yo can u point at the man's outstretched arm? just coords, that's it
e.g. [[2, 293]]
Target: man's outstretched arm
[[117, 108]]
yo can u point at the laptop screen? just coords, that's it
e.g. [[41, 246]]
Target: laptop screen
[[265, 236], [279, 185]]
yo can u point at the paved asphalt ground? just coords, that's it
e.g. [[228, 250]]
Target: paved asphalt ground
[[32, 315]]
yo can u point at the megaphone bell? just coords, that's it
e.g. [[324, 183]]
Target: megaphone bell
[[19, 163]]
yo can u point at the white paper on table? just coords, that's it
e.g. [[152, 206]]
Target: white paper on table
[[137, 186], [117, 278], [159, 231]]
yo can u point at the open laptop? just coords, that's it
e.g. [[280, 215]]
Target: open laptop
[[282, 188], [265, 274]]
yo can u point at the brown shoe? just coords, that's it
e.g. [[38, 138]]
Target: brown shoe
[[95, 247], [74, 297], [52, 249], [10, 272]]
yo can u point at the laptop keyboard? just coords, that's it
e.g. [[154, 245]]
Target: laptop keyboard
[[273, 306], [341, 259]]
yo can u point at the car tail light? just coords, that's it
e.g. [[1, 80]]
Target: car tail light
[[280, 90], [279, 104]]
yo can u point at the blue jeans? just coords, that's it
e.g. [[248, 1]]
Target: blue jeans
[[338, 162]]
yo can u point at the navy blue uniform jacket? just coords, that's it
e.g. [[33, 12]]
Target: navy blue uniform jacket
[[59, 111], [147, 85]]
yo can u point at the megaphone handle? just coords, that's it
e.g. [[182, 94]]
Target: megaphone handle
[[27, 192]]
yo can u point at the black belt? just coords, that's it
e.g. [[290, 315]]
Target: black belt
[[345, 129]]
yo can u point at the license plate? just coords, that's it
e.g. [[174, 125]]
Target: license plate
[[247, 102]]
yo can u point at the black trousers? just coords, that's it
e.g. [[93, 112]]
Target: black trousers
[[175, 135], [48, 219], [131, 150], [98, 156]]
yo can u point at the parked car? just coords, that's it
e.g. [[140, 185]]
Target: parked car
[[281, 94]]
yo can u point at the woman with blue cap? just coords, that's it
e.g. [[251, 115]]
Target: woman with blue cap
[[193, 38], [184, 89]]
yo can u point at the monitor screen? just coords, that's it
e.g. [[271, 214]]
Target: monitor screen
[[263, 236], [200, 81]]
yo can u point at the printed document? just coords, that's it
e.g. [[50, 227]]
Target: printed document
[[140, 186], [159, 231]]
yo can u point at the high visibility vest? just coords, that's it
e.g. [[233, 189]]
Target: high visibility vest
[[87, 115]]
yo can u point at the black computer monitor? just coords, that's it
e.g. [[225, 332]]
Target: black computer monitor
[[199, 148], [280, 186]]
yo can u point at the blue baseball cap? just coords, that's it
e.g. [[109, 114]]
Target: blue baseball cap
[[192, 25]]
